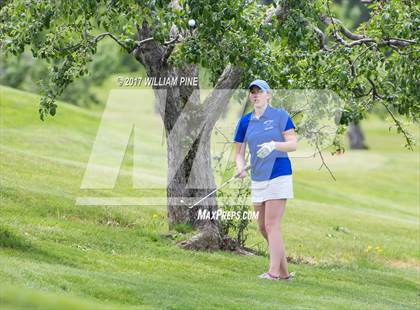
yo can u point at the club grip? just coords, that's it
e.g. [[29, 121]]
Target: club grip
[[246, 169]]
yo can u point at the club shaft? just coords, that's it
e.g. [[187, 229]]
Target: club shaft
[[208, 195], [220, 187]]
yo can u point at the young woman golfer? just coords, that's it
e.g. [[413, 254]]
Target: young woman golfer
[[270, 134]]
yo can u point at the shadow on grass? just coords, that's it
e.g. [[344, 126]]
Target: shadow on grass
[[11, 240]]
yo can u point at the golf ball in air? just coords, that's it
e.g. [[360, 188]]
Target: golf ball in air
[[191, 23]]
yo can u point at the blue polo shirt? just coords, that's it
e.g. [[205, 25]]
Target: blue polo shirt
[[269, 126]]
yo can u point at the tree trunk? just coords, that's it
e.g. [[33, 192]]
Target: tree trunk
[[190, 174], [356, 137], [190, 182], [188, 130], [186, 183]]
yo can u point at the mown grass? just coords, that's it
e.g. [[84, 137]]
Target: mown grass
[[353, 242]]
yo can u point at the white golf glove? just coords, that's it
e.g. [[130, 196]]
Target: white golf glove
[[266, 149]]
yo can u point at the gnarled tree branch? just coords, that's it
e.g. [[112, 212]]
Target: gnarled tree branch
[[359, 39], [218, 99]]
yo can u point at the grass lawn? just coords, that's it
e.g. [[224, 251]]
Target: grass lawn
[[354, 242]]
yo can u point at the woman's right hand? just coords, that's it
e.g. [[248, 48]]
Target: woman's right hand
[[240, 160], [241, 173]]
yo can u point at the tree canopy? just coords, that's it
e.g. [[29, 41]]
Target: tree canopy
[[292, 44]]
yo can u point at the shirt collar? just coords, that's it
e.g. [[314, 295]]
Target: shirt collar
[[264, 115]]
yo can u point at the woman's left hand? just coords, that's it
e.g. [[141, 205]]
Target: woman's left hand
[[266, 149]]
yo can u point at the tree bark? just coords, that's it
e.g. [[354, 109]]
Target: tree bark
[[356, 137]]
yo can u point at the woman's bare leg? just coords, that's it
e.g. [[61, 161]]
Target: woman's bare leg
[[260, 208], [274, 210]]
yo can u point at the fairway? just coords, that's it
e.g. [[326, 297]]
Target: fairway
[[354, 242]]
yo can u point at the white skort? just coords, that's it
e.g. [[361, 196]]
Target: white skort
[[277, 188]]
